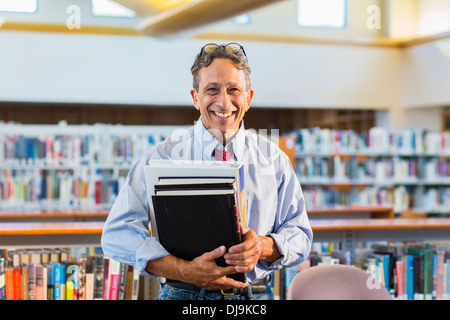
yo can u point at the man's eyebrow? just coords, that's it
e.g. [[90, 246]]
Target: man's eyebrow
[[211, 84], [215, 84], [233, 84]]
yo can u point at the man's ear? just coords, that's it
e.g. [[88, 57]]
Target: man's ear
[[194, 95], [249, 98]]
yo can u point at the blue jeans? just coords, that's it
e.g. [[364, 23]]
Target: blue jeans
[[170, 293]]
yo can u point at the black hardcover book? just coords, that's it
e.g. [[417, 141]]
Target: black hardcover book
[[190, 225]]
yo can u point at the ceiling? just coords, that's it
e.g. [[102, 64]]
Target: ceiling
[[403, 18], [167, 17], [276, 22]]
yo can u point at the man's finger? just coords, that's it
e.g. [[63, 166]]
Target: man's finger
[[235, 284], [244, 229], [224, 271], [216, 253]]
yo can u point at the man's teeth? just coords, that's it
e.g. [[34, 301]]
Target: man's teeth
[[223, 115]]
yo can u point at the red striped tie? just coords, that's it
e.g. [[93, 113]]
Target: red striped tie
[[222, 155]]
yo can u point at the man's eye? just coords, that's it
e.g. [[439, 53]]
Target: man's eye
[[211, 90]]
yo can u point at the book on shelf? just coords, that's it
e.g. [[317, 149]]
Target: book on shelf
[[89, 145], [378, 140], [408, 270], [69, 279], [83, 167], [196, 207]]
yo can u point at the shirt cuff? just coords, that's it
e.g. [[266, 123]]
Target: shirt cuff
[[282, 247], [150, 249]]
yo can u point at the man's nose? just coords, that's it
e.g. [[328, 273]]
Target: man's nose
[[223, 99]]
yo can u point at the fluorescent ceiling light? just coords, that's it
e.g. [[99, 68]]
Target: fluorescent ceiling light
[[108, 8], [321, 13], [26, 6]]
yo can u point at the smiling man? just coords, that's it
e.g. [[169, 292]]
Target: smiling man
[[221, 93], [277, 233]]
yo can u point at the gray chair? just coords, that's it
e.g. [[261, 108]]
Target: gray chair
[[336, 282]]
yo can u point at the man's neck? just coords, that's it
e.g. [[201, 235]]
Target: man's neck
[[222, 137]]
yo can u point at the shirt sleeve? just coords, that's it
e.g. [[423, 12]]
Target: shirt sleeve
[[292, 232], [126, 237]]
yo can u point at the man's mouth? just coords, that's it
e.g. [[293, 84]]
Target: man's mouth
[[223, 115]]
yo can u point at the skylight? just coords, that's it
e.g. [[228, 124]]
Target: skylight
[[109, 8], [26, 6], [321, 13]]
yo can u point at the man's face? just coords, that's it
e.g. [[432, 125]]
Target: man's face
[[222, 98]]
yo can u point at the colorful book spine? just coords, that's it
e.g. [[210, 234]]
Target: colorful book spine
[[57, 280], [64, 277]]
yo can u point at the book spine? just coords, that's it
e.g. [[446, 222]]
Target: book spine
[[241, 198], [400, 279], [63, 283], [32, 282], [98, 278], [123, 273], [39, 282], [9, 284], [24, 282], [113, 283], [17, 277], [2, 279], [135, 285], [114, 286], [70, 287], [50, 282], [57, 279]]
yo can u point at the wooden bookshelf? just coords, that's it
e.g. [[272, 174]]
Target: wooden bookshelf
[[350, 231], [100, 215], [284, 119], [50, 228], [353, 211], [50, 234], [60, 234], [381, 225], [336, 230], [52, 215]]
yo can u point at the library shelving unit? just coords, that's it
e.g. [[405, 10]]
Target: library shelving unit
[[408, 169], [58, 182], [83, 166], [69, 166], [72, 173], [87, 233]]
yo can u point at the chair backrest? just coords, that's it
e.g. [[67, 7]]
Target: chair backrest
[[336, 282]]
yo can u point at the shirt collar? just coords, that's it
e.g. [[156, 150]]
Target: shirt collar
[[207, 142]]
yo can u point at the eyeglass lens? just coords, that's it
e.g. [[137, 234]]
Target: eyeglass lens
[[231, 47]]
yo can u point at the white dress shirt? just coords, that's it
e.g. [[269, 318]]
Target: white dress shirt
[[274, 199]]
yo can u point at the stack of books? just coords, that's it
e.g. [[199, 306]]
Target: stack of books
[[196, 207]]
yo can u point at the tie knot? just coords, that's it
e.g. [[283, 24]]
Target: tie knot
[[221, 154]]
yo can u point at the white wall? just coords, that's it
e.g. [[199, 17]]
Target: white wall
[[51, 67], [79, 68], [426, 77]]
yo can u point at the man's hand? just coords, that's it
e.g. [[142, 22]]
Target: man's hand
[[246, 255], [202, 271]]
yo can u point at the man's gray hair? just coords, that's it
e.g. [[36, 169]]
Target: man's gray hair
[[204, 59]]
